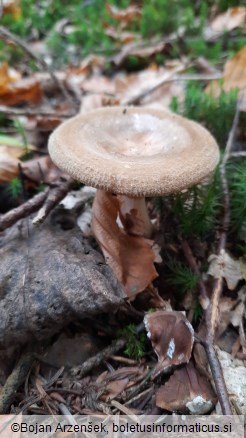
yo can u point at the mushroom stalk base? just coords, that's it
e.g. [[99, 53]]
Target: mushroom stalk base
[[134, 216]]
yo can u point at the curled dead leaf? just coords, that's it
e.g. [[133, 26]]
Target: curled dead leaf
[[7, 76], [141, 52], [120, 36], [225, 266], [172, 338], [8, 168], [12, 7], [9, 162], [41, 170], [23, 90], [234, 77], [229, 20], [126, 15], [130, 257], [186, 391]]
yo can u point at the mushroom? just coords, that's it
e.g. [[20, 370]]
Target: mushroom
[[134, 152]]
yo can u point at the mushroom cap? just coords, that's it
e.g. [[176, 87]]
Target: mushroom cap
[[134, 151]]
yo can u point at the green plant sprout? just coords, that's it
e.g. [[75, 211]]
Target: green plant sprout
[[135, 342], [198, 313], [196, 210], [21, 131], [181, 276], [14, 188]]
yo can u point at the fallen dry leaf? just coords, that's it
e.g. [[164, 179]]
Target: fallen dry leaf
[[15, 90], [234, 77], [37, 169], [186, 391], [172, 338], [226, 310], [225, 266], [126, 15], [7, 76], [229, 20], [130, 257], [9, 160], [12, 7], [140, 51], [41, 170], [131, 86], [94, 101], [235, 71], [91, 64], [122, 37]]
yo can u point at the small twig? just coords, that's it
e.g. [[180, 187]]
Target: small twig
[[125, 360], [138, 396], [54, 197], [232, 133], [218, 377], [9, 35], [208, 344], [237, 154], [65, 411], [34, 112], [106, 353], [14, 381], [134, 390], [137, 99], [225, 224], [123, 409], [24, 210]]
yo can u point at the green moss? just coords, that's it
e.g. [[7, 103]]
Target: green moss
[[135, 342], [181, 276], [216, 113], [14, 188], [196, 210]]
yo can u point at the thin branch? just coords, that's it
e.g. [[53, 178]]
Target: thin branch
[[213, 360], [81, 370], [174, 78], [225, 223], [18, 41], [24, 210], [55, 195], [237, 154], [33, 112]]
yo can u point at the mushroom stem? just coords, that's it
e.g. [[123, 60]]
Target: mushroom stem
[[134, 216]]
